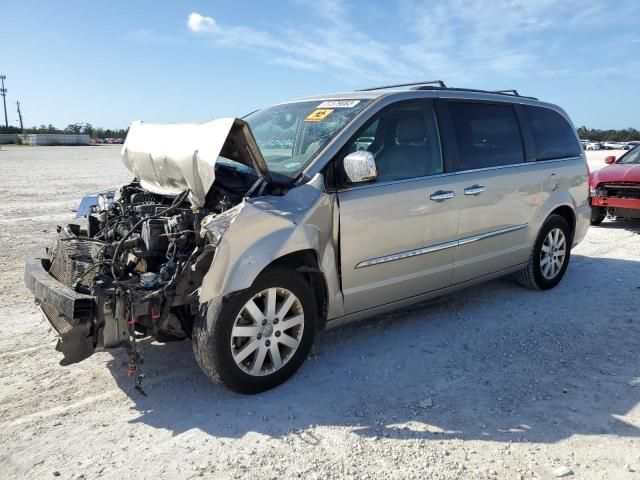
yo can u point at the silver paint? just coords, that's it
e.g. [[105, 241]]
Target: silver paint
[[485, 234]]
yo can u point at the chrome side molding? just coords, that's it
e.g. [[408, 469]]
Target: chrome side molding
[[410, 253], [438, 247], [495, 233]]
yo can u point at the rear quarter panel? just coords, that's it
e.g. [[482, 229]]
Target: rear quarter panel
[[564, 183]]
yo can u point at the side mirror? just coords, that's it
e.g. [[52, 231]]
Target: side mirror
[[360, 167], [610, 159]]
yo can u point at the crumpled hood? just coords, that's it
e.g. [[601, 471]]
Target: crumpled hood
[[617, 172], [171, 158]]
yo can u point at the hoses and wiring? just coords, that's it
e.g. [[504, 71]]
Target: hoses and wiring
[[176, 203]]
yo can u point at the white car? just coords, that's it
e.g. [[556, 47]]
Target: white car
[[615, 146], [593, 146]]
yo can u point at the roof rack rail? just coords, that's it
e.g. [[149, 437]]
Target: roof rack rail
[[429, 82], [508, 92], [440, 85]]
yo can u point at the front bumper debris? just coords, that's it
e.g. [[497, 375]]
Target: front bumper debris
[[616, 202], [69, 313]]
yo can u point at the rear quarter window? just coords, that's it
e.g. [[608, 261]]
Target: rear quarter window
[[553, 137]]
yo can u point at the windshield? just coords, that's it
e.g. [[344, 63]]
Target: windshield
[[632, 156], [291, 135]]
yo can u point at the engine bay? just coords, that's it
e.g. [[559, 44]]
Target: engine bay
[[142, 255]]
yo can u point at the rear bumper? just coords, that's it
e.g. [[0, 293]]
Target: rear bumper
[[583, 218]]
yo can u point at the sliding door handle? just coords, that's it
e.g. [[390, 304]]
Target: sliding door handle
[[474, 190], [442, 195]]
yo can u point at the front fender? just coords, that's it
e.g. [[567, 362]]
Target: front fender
[[268, 228]]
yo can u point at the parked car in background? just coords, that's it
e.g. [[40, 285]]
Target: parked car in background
[[378, 199], [593, 146], [615, 190], [616, 146]]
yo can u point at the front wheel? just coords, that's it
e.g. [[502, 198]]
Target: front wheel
[[260, 336], [550, 255]]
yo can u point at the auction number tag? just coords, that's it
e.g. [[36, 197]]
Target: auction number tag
[[318, 115], [338, 104]]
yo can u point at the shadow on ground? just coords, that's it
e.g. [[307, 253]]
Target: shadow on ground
[[621, 224], [497, 362]]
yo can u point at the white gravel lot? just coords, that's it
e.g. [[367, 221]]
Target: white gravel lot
[[492, 382]]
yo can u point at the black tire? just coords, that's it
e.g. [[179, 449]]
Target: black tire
[[598, 214], [213, 326], [531, 276]]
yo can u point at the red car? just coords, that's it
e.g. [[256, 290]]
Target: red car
[[615, 189]]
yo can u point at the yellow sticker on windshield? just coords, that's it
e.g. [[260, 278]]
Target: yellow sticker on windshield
[[318, 115]]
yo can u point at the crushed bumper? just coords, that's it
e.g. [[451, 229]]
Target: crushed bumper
[[73, 305], [70, 314]]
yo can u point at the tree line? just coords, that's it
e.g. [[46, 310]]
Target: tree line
[[73, 128], [597, 135]]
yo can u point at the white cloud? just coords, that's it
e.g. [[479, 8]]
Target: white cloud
[[200, 23], [457, 40]]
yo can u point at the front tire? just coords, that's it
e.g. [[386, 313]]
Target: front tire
[[598, 214], [550, 255], [259, 337]]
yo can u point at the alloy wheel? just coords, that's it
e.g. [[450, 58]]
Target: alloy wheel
[[553, 253], [267, 331]]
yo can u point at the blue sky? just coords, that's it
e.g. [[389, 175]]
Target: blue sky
[[109, 63]]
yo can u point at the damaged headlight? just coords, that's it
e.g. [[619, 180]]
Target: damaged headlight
[[103, 202], [212, 227]]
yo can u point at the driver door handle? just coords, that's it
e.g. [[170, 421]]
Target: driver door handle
[[442, 195], [474, 190]]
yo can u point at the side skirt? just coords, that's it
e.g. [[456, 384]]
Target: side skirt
[[390, 307]]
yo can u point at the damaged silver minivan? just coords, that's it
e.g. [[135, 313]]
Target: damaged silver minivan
[[247, 235]]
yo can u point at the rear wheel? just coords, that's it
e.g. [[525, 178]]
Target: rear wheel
[[259, 337], [550, 255], [598, 214]]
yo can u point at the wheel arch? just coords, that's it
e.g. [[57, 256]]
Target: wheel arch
[[568, 214], [306, 263], [560, 203]]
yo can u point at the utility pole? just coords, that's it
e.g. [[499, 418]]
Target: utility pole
[[3, 92], [20, 117]]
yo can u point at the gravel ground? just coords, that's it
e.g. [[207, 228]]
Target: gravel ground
[[492, 382]]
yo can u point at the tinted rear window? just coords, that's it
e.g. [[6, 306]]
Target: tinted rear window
[[488, 135], [553, 137]]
